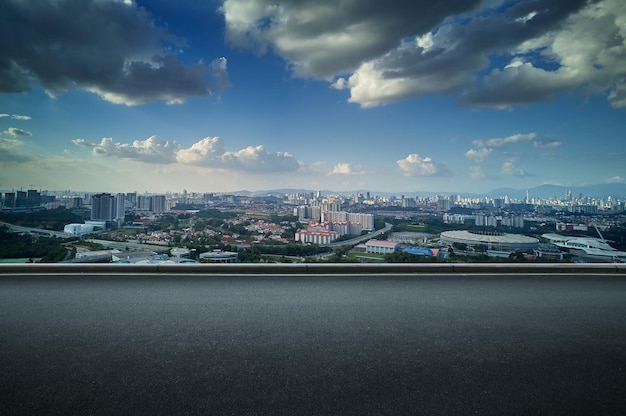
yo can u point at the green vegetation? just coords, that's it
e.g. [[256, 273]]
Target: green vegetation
[[403, 257], [216, 214], [370, 256], [49, 249], [256, 251], [51, 219], [166, 222]]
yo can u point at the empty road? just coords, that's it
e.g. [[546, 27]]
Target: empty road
[[312, 345]]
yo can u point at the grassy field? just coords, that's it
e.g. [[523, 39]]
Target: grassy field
[[366, 256]]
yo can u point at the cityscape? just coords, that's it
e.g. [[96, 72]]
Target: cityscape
[[312, 207], [312, 226], [280, 131]]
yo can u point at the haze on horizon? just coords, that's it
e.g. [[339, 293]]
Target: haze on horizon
[[219, 96]]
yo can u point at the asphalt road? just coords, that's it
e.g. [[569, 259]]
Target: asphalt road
[[236, 345], [356, 240]]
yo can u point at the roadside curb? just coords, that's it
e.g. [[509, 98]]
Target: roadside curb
[[314, 268]]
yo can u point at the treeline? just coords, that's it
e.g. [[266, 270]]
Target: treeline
[[404, 257], [49, 249], [256, 251], [50, 219]]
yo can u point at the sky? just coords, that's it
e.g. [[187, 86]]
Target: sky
[[462, 96]]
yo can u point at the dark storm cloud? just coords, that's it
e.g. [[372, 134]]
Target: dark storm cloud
[[324, 38], [467, 47], [103, 46]]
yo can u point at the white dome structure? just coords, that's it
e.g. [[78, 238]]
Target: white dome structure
[[78, 229], [493, 240]]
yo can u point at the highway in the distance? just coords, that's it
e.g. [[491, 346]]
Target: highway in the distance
[[312, 345]]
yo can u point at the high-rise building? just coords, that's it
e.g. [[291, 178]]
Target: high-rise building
[[9, 199], [143, 203], [443, 203], [407, 202], [33, 197], [120, 208], [157, 203], [102, 207], [21, 200], [131, 197]]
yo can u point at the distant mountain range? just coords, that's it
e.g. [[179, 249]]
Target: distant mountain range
[[616, 190]]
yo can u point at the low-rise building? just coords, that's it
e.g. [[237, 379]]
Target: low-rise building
[[381, 247]]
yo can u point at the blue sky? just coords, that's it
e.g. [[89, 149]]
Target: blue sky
[[400, 96]]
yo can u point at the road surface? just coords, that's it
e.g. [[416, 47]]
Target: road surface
[[312, 345], [356, 240]]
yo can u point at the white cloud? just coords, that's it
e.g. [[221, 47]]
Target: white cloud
[[15, 116], [509, 168], [490, 54], [15, 132], [208, 152], [257, 159], [416, 165], [345, 169], [478, 155], [486, 147], [151, 150], [616, 179], [595, 61], [499, 142]]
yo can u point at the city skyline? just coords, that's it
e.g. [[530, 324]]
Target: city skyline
[[224, 96]]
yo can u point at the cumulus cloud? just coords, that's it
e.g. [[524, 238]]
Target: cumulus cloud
[[595, 60], [208, 152], [111, 48], [488, 53], [509, 168], [15, 116], [323, 38], [345, 169], [15, 132], [151, 150], [478, 155], [416, 165]]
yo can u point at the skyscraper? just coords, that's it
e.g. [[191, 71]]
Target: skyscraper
[[120, 209], [102, 207]]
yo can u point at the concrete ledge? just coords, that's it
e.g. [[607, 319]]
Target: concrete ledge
[[315, 268]]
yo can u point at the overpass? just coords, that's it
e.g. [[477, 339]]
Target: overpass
[[313, 339]]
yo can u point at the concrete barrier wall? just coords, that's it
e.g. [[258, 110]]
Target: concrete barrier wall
[[315, 268]]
